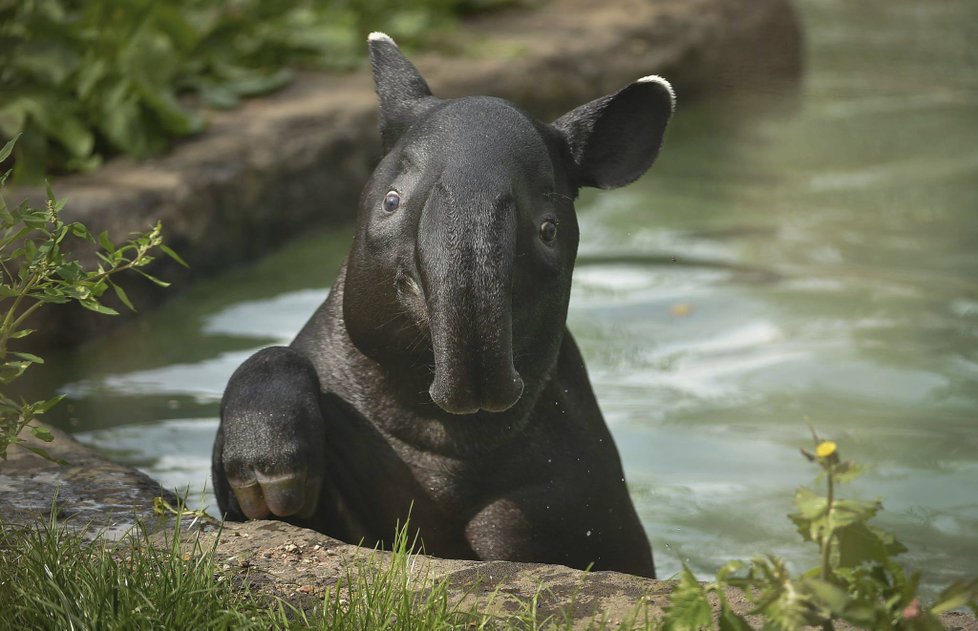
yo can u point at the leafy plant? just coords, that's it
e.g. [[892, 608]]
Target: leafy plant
[[37, 269], [857, 581], [87, 79]]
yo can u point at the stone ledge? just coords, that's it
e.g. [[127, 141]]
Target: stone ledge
[[297, 565], [280, 164], [88, 491]]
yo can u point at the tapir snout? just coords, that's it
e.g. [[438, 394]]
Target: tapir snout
[[465, 251]]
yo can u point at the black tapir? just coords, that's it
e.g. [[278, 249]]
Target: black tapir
[[438, 376]]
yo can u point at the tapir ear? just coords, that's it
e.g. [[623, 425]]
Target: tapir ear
[[403, 92], [616, 138]]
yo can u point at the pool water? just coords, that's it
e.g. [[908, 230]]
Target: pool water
[[807, 256]]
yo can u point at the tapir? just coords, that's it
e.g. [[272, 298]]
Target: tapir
[[438, 381]]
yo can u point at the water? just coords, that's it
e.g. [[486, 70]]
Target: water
[[791, 257]]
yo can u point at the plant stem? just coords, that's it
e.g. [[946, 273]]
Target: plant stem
[[827, 539], [21, 319], [10, 321]]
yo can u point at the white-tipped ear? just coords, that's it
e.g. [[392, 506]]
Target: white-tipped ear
[[403, 92], [614, 139], [377, 36], [654, 78]]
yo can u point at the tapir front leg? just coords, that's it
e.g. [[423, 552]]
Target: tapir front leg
[[268, 457]]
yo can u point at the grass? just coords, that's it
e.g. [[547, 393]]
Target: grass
[[376, 595], [56, 577], [53, 576]]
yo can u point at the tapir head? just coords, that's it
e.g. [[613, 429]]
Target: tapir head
[[466, 236]]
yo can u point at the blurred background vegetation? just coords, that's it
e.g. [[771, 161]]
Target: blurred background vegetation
[[83, 80]]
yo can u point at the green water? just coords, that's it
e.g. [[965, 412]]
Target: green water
[[825, 250]]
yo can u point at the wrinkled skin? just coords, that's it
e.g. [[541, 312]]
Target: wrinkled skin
[[438, 378]]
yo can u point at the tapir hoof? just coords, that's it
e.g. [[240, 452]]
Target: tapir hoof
[[280, 495]]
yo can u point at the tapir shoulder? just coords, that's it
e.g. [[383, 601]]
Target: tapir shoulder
[[323, 340]]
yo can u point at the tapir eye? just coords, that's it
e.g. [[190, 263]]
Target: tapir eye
[[391, 201], [548, 230]]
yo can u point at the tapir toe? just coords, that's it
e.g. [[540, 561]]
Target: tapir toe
[[285, 495]]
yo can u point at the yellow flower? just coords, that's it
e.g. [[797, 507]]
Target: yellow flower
[[825, 449]]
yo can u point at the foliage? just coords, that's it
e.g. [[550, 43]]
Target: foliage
[[37, 269], [858, 580], [163, 508], [390, 595], [54, 577], [86, 79]]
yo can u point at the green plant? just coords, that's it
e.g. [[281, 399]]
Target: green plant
[[396, 591], [55, 576], [36, 269], [389, 595], [87, 79], [857, 581]]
